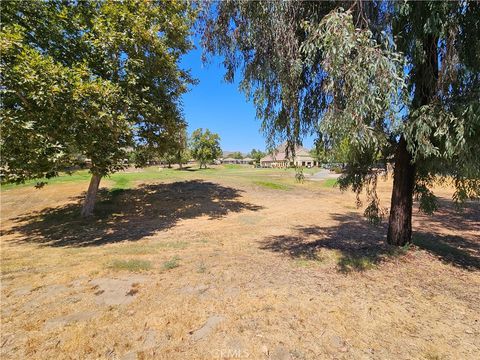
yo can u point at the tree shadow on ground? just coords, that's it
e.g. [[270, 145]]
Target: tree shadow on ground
[[455, 250], [191, 169], [452, 216], [462, 251], [129, 214], [361, 246]]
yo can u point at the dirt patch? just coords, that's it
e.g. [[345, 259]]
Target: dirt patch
[[117, 291], [44, 294], [264, 274], [62, 321], [207, 328]]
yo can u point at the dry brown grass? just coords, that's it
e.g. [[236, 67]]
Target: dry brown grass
[[290, 274]]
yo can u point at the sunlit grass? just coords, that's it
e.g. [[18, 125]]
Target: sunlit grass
[[78, 176], [349, 264], [171, 264], [234, 166], [129, 179], [329, 183], [121, 180], [130, 265], [272, 185]]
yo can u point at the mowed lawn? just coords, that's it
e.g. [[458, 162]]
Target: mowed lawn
[[231, 262]]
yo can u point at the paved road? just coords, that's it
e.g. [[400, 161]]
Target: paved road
[[322, 175]]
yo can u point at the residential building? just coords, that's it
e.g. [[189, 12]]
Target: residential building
[[279, 158]]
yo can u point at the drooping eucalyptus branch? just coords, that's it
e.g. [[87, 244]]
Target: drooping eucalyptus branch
[[365, 88]]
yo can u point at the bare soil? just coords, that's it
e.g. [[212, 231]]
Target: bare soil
[[259, 274]]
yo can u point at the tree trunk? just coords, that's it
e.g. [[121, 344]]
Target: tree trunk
[[425, 77], [89, 202], [400, 221], [179, 158]]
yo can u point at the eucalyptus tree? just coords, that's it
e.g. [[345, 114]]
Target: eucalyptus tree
[[89, 79], [396, 81]]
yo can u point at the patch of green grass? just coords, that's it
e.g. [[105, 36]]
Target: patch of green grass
[[396, 251], [312, 258], [127, 179], [272, 185], [233, 166], [329, 183], [171, 264], [349, 264], [121, 182], [81, 175], [307, 262], [131, 265]]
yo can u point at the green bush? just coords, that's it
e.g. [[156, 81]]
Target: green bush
[[171, 264]]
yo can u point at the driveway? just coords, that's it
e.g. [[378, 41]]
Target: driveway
[[322, 175]]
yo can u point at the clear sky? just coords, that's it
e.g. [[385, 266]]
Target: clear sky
[[221, 107]]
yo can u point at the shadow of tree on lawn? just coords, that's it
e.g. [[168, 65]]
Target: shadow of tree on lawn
[[361, 245], [455, 250], [448, 215], [129, 214], [191, 169], [462, 251]]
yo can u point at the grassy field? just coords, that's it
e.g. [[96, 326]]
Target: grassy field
[[231, 262], [127, 179]]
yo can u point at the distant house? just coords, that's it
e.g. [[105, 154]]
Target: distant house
[[230, 160], [279, 158], [244, 161], [247, 160]]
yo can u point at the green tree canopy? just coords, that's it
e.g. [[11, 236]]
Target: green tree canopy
[[256, 155], [397, 81], [92, 79], [205, 146], [236, 155], [177, 152]]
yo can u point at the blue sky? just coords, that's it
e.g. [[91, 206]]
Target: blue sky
[[221, 107]]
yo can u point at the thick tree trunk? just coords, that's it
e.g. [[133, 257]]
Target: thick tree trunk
[[89, 202], [425, 76], [400, 221]]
